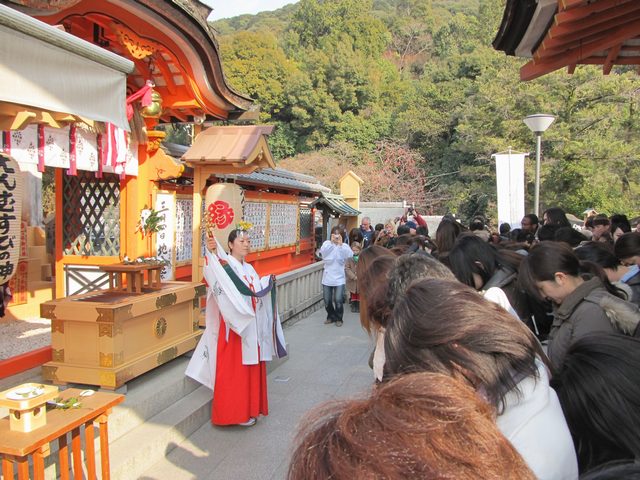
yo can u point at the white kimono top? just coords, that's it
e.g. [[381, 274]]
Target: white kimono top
[[224, 301]]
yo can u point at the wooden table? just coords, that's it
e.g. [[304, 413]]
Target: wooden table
[[17, 447], [135, 276]]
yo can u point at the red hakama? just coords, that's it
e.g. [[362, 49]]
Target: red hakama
[[240, 390]]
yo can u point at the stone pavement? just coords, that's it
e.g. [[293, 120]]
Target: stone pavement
[[326, 362]]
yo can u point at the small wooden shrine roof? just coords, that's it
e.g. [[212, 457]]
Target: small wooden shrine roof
[[351, 174], [237, 147], [566, 33], [335, 205]]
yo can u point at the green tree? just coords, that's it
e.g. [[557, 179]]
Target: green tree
[[255, 64], [338, 78]]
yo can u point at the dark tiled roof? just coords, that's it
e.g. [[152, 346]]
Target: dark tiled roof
[[515, 21], [271, 177], [336, 204], [277, 177]]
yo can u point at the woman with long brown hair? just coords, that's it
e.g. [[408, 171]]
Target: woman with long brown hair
[[446, 327], [372, 280], [419, 426], [369, 280], [446, 234]]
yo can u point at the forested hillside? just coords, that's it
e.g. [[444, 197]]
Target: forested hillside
[[412, 97]]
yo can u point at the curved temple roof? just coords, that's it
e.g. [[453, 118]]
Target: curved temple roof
[[566, 33], [169, 41]]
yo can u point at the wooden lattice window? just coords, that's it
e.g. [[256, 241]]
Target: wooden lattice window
[[91, 214]]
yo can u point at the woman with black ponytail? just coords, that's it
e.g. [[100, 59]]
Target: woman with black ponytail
[[585, 302]]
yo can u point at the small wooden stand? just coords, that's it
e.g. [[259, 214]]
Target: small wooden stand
[[30, 413], [135, 277], [18, 450]]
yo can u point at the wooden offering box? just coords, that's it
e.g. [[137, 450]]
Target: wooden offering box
[[107, 338], [27, 405]]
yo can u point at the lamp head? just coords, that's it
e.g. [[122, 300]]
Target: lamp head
[[539, 122]]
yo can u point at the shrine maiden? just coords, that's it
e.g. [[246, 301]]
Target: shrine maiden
[[243, 331]]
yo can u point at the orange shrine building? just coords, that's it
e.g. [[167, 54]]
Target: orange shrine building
[[101, 78]]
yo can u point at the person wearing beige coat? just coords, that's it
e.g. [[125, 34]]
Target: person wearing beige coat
[[352, 278]]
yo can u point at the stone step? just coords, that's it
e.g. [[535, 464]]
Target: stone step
[[161, 408], [142, 447], [150, 394]]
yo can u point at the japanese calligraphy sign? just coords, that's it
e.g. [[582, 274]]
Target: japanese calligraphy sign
[[165, 244], [10, 216], [223, 209]]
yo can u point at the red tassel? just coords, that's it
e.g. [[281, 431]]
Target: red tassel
[[6, 137], [144, 95], [100, 155], [113, 150], [72, 151], [41, 148]]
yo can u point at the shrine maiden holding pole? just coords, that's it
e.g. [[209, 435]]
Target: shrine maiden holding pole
[[243, 331]]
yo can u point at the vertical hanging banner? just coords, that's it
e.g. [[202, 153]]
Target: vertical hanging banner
[[510, 185], [165, 241], [10, 217], [223, 210]]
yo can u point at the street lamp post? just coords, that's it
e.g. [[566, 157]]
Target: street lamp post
[[538, 123]]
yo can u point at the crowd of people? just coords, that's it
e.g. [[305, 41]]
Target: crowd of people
[[504, 354]]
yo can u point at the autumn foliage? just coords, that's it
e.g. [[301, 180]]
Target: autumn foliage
[[391, 172]]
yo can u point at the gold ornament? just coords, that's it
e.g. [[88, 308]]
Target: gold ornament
[[155, 109]]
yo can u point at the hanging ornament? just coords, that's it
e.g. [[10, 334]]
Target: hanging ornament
[[154, 110]]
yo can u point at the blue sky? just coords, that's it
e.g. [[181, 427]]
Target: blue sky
[[232, 8]]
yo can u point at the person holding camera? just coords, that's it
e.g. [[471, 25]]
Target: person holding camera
[[386, 236], [335, 254], [413, 220]]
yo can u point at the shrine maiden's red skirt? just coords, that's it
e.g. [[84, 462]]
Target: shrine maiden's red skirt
[[240, 390]]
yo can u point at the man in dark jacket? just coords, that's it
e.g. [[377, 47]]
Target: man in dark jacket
[[529, 223], [367, 232]]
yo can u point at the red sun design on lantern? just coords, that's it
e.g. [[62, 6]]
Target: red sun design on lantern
[[221, 214]]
